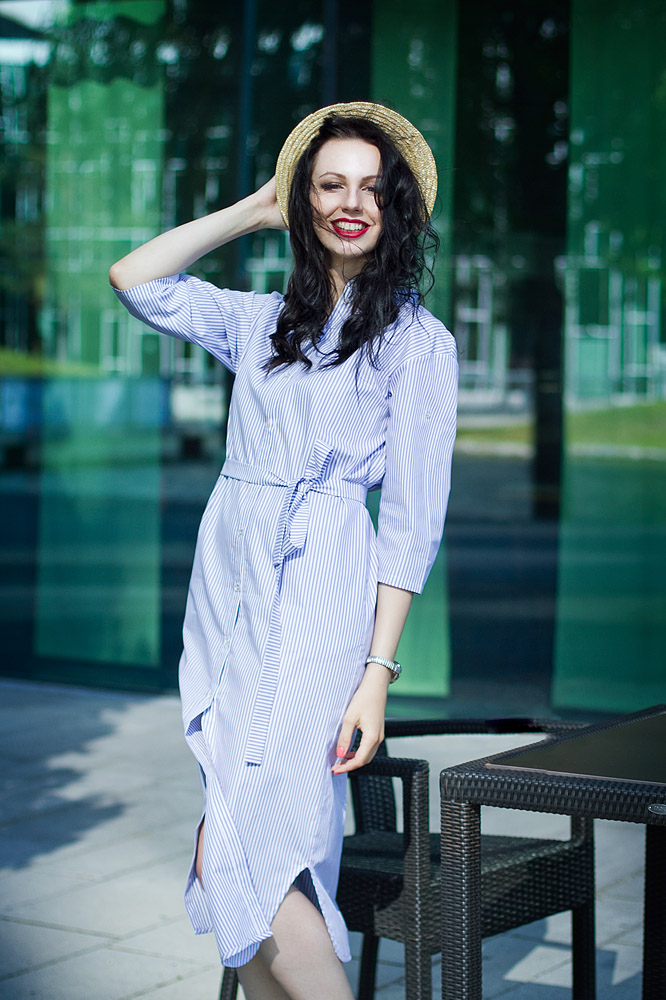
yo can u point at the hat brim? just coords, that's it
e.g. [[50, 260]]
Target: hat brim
[[408, 139]]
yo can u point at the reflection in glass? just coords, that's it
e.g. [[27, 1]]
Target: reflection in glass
[[547, 121]]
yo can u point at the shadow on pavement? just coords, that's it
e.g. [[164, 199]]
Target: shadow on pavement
[[47, 799]]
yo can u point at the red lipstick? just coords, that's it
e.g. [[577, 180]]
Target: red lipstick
[[350, 234]]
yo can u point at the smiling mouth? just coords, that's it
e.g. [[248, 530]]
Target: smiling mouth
[[350, 229]]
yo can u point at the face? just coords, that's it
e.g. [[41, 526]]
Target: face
[[346, 217]]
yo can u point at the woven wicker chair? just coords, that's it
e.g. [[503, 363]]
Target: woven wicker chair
[[390, 882]]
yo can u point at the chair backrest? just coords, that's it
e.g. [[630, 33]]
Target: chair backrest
[[374, 800], [373, 796]]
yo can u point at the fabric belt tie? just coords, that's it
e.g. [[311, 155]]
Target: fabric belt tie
[[292, 529]]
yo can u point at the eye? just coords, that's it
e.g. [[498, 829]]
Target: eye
[[331, 185]]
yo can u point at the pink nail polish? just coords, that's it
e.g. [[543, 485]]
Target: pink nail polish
[[341, 751]]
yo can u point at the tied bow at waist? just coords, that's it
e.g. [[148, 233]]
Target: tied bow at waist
[[295, 510], [290, 537]]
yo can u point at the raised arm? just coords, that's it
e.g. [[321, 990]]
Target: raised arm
[[177, 249]]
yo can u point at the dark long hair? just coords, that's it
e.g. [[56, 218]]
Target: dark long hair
[[392, 274]]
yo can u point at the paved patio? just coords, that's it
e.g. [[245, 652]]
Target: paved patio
[[99, 800]]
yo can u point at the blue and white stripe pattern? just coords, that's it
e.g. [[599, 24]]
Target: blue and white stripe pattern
[[281, 603]]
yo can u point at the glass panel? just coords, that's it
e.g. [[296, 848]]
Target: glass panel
[[98, 581], [414, 71], [509, 231], [122, 119], [611, 632]]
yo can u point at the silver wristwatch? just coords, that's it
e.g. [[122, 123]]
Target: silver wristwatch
[[391, 665]]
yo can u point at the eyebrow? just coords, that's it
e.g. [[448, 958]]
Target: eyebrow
[[333, 173]]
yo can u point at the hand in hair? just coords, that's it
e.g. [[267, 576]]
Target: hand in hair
[[265, 198]]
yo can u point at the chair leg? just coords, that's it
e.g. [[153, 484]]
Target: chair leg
[[583, 949], [367, 975], [229, 986], [418, 972]]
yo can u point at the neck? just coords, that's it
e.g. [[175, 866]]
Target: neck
[[341, 270]]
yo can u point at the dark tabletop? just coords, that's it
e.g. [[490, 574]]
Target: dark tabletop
[[632, 751], [611, 770]]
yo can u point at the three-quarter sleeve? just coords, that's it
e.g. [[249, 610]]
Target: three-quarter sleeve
[[415, 489], [218, 319]]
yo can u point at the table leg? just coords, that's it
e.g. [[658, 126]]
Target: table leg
[[461, 901], [654, 926]]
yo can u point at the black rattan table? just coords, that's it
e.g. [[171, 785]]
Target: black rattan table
[[611, 770]]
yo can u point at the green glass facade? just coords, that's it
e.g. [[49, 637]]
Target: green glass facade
[[611, 629], [548, 123]]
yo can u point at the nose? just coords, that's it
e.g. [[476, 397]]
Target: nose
[[353, 202]]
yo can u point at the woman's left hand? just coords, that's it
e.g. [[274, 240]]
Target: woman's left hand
[[366, 712]]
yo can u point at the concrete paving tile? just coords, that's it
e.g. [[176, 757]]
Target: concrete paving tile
[[513, 822], [101, 824], [115, 864], [619, 851], [19, 888], [203, 985], [543, 991], [87, 859], [391, 951], [132, 779], [390, 964], [123, 856], [627, 889], [174, 940], [618, 964], [615, 965], [387, 973], [57, 728], [17, 851], [505, 952], [103, 974], [124, 905], [611, 922], [614, 921], [355, 943], [25, 946], [98, 818], [393, 991], [40, 800], [633, 936], [544, 963], [159, 805]]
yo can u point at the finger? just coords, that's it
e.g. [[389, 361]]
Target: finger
[[363, 755], [345, 738], [344, 757]]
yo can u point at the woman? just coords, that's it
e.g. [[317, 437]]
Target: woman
[[295, 608]]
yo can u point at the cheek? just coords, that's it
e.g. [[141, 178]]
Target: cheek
[[324, 204], [374, 212]]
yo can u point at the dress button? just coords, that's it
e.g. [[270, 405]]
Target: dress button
[[227, 642], [237, 587], [240, 532]]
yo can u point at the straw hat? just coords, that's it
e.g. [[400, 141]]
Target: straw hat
[[408, 139]]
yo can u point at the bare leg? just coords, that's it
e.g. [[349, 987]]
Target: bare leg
[[199, 861], [258, 983], [299, 959]]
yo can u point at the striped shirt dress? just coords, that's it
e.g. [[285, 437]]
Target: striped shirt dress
[[280, 609]]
